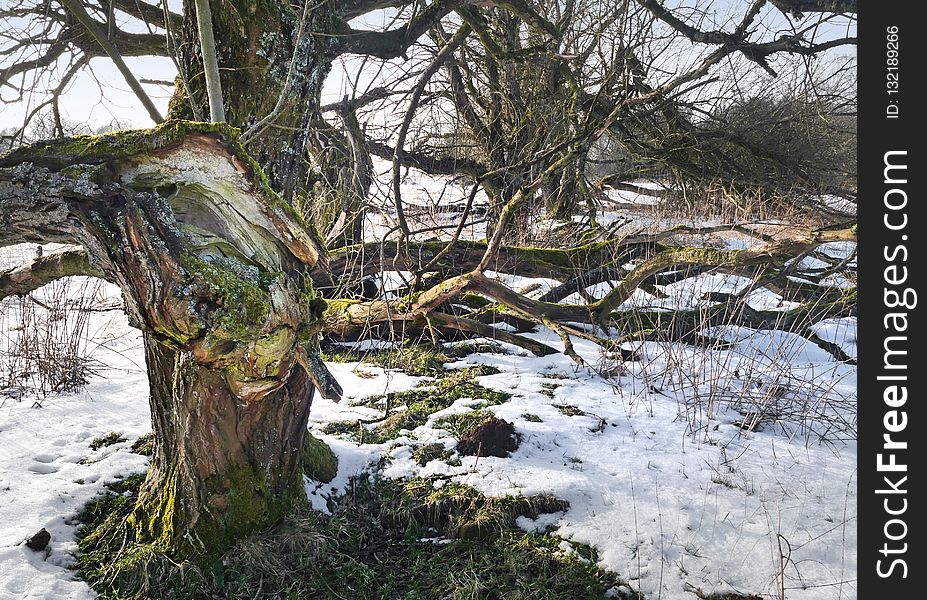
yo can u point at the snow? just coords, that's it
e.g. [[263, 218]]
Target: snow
[[48, 471], [666, 508], [838, 331], [702, 468]]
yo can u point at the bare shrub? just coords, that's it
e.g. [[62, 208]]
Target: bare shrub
[[48, 346]]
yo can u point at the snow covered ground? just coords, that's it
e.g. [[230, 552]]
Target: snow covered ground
[[727, 468]]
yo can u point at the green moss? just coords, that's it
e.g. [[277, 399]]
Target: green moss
[[243, 297], [113, 437], [337, 309], [319, 462]]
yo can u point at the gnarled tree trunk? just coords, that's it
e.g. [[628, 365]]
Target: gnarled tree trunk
[[221, 467], [216, 271]]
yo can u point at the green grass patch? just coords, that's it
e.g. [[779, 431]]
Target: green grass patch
[[549, 389], [144, 445], [118, 498], [531, 418], [570, 410], [113, 437], [429, 452], [371, 547], [410, 409], [463, 423], [128, 486]]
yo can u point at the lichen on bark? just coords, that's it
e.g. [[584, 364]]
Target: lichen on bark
[[216, 271]]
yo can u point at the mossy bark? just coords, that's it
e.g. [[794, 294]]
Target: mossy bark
[[222, 468], [216, 271]]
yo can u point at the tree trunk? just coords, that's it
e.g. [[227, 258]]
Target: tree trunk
[[216, 270], [222, 468], [257, 40]]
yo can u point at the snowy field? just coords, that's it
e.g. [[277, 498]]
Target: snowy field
[[691, 471]]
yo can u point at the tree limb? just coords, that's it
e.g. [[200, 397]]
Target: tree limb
[[77, 9], [29, 277]]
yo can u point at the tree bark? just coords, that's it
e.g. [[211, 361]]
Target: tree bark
[[216, 270], [257, 43], [221, 468]]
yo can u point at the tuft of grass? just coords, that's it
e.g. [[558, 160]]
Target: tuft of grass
[[118, 499], [459, 511], [531, 418], [104, 559], [113, 437], [462, 424], [144, 445], [128, 486], [549, 389], [379, 544], [429, 452], [570, 410]]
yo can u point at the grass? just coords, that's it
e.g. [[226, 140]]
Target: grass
[[416, 359], [144, 445], [569, 410], [415, 406], [113, 437], [379, 543], [429, 452], [462, 424], [532, 418], [119, 497], [549, 389]]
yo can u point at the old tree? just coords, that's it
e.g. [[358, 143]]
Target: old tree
[[237, 244]]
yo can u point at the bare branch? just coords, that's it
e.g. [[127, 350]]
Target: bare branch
[[77, 9]]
